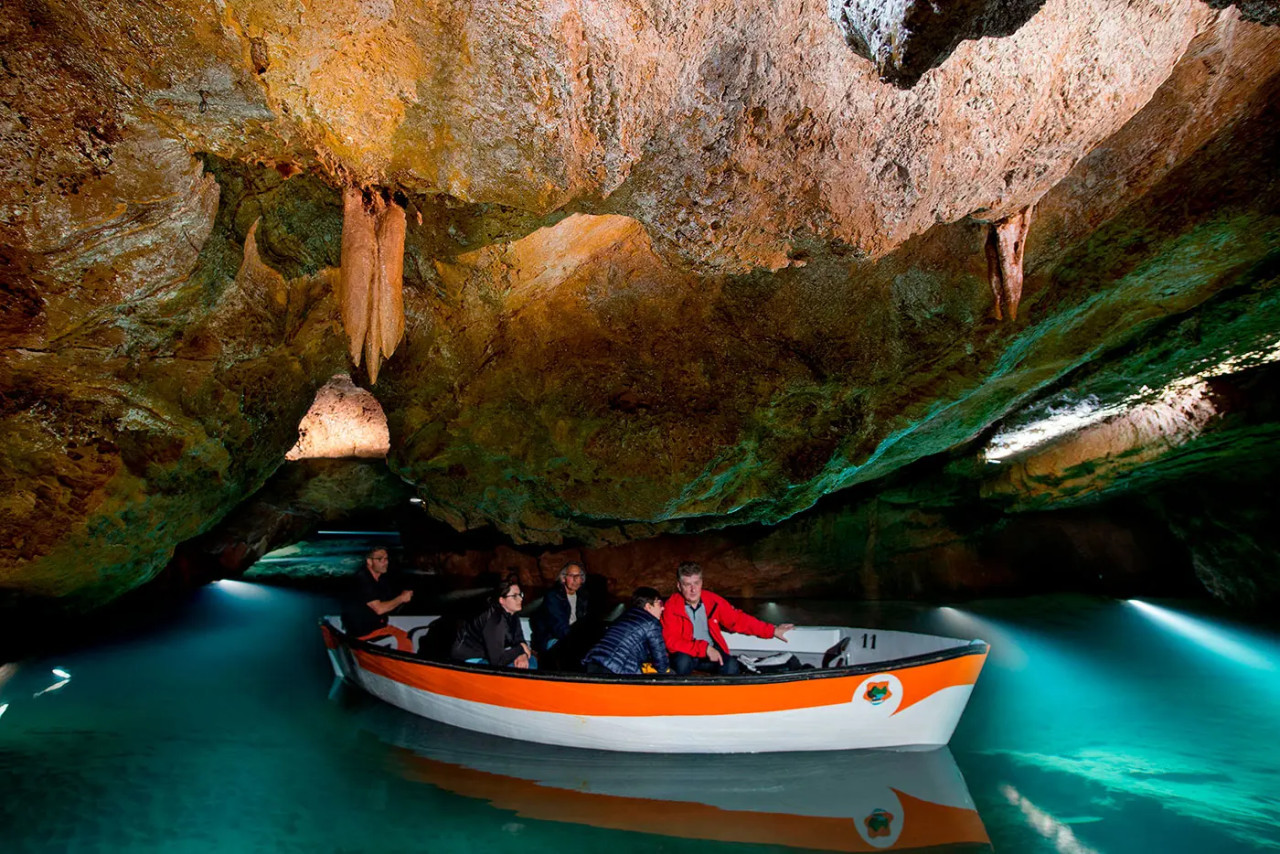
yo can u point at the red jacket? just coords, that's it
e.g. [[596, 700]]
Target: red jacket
[[677, 628]]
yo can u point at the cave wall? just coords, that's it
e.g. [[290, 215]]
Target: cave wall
[[135, 423], [669, 269], [570, 384]]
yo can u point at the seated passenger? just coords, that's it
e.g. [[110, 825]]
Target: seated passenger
[[371, 597], [563, 608], [634, 639], [691, 626], [494, 636]]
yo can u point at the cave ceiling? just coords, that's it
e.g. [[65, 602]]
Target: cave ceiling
[[625, 268]]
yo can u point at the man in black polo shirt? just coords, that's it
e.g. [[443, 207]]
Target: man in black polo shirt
[[372, 596]]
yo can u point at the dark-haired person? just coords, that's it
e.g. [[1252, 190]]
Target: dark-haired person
[[564, 608], [633, 639], [495, 636], [375, 593], [693, 624]]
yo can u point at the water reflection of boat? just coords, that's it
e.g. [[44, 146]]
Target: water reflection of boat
[[873, 689], [863, 800]]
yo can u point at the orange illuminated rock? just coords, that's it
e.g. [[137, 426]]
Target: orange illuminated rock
[[732, 132], [344, 421]]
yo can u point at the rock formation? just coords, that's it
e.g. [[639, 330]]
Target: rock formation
[[344, 421], [621, 271], [904, 39], [1006, 245], [372, 276]]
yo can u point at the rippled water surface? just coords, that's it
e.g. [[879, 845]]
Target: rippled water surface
[[1097, 726]]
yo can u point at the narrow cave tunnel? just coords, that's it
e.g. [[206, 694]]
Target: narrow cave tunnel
[[622, 426]]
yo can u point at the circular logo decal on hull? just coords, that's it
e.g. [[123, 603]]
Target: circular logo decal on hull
[[881, 692]]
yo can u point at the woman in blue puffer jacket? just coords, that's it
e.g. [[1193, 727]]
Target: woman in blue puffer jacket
[[633, 639]]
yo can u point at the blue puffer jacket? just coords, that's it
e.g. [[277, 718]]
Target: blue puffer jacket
[[634, 638]]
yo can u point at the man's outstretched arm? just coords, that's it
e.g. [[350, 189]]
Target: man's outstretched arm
[[386, 606]]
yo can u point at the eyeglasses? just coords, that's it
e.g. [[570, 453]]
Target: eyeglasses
[[516, 595], [575, 575]]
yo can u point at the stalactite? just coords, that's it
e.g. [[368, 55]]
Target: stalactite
[[372, 276], [256, 278], [1006, 241]]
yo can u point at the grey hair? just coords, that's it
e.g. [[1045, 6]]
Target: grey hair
[[564, 570], [688, 570]]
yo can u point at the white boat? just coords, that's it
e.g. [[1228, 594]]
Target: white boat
[[867, 800], [878, 689]]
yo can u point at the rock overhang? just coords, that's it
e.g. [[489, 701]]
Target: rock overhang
[[673, 272]]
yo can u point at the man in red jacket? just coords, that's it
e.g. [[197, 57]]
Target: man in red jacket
[[692, 624]]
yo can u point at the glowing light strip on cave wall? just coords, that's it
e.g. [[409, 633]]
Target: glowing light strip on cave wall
[[1169, 409]]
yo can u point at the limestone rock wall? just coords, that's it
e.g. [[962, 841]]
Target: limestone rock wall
[[669, 267], [143, 401], [570, 383], [731, 131]]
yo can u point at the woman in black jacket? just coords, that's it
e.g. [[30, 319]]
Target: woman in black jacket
[[633, 639], [494, 636]]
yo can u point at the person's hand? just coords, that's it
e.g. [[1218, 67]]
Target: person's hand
[[522, 662], [780, 631], [405, 596], [714, 654], [526, 649]]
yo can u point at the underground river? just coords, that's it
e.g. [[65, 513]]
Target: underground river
[[1097, 726]]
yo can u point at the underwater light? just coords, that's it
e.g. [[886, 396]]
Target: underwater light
[[60, 673], [54, 687], [1004, 648], [1204, 633], [415, 500], [242, 589], [1046, 825], [358, 533]]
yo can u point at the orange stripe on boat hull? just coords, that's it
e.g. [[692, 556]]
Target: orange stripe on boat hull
[[925, 824], [612, 699], [927, 680]]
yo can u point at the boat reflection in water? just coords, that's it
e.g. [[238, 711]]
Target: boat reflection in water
[[866, 800]]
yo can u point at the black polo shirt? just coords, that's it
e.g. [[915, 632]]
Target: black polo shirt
[[357, 617]]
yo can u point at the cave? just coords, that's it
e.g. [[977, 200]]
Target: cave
[[940, 318]]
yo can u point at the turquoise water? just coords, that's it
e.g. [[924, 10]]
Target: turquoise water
[[1097, 726]]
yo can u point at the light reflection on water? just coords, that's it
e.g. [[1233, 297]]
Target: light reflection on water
[[1093, 728]]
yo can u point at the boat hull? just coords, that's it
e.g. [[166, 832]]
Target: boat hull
[[849, 801], [916, 703]]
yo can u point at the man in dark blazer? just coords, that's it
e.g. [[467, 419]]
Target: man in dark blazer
[[564, 610]]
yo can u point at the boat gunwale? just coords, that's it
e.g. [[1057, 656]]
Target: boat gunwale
[[972, 647]]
